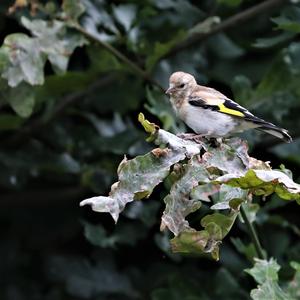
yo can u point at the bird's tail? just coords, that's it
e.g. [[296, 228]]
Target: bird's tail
[[270, 128], [276, 131]]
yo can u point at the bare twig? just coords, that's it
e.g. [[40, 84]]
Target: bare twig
[[236, 19]]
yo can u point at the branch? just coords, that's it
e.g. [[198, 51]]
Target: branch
[[134, 67], [253, 234], [236, 19]]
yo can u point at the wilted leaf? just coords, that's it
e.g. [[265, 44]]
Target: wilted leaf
[[230, 157], [264, 182], [139, 176], [178, 202]]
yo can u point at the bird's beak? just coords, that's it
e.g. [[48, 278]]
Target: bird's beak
[[169, 91]]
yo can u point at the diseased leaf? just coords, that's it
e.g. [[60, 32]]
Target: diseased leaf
[[229, 197], [264, 270], [178, 203], [139, 176], [25, 60], [265, 182], [194, 178], [24, 57]]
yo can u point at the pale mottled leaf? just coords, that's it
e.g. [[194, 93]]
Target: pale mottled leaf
[[178, 203]]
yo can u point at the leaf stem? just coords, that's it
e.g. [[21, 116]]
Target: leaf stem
[[253, 234]]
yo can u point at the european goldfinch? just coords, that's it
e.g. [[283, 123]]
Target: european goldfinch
[[210, 113]]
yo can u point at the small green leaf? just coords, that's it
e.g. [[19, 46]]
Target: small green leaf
[[149, 127]]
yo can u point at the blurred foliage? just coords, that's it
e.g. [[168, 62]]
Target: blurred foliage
[[74, 75]]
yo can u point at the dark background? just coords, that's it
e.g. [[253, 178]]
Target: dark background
[[68, 146]]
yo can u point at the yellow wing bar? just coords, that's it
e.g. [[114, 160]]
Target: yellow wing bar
[[230, 111]]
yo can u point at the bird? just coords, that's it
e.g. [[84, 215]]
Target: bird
[[211, 114]]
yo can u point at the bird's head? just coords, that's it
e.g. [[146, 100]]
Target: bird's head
[[181, 84]]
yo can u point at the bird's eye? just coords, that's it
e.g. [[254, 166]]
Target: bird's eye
[[182, 85]]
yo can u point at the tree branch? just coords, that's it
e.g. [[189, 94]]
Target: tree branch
[[236, 19], [134, 67]]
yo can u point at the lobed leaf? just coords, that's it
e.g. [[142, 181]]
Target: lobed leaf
[[264, 182], [24, 57]]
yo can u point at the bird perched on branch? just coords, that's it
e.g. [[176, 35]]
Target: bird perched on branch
[[210, 113]]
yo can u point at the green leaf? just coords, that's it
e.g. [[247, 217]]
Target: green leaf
[[264, 182], [273, 41], [264, 270], [22, 100], [73, 9], [193, 242], [149, 127], [265, 274], [294, 285], [289, 20], [224, 222]]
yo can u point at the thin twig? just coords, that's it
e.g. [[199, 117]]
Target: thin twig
[[233, 21], [253, 234]]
